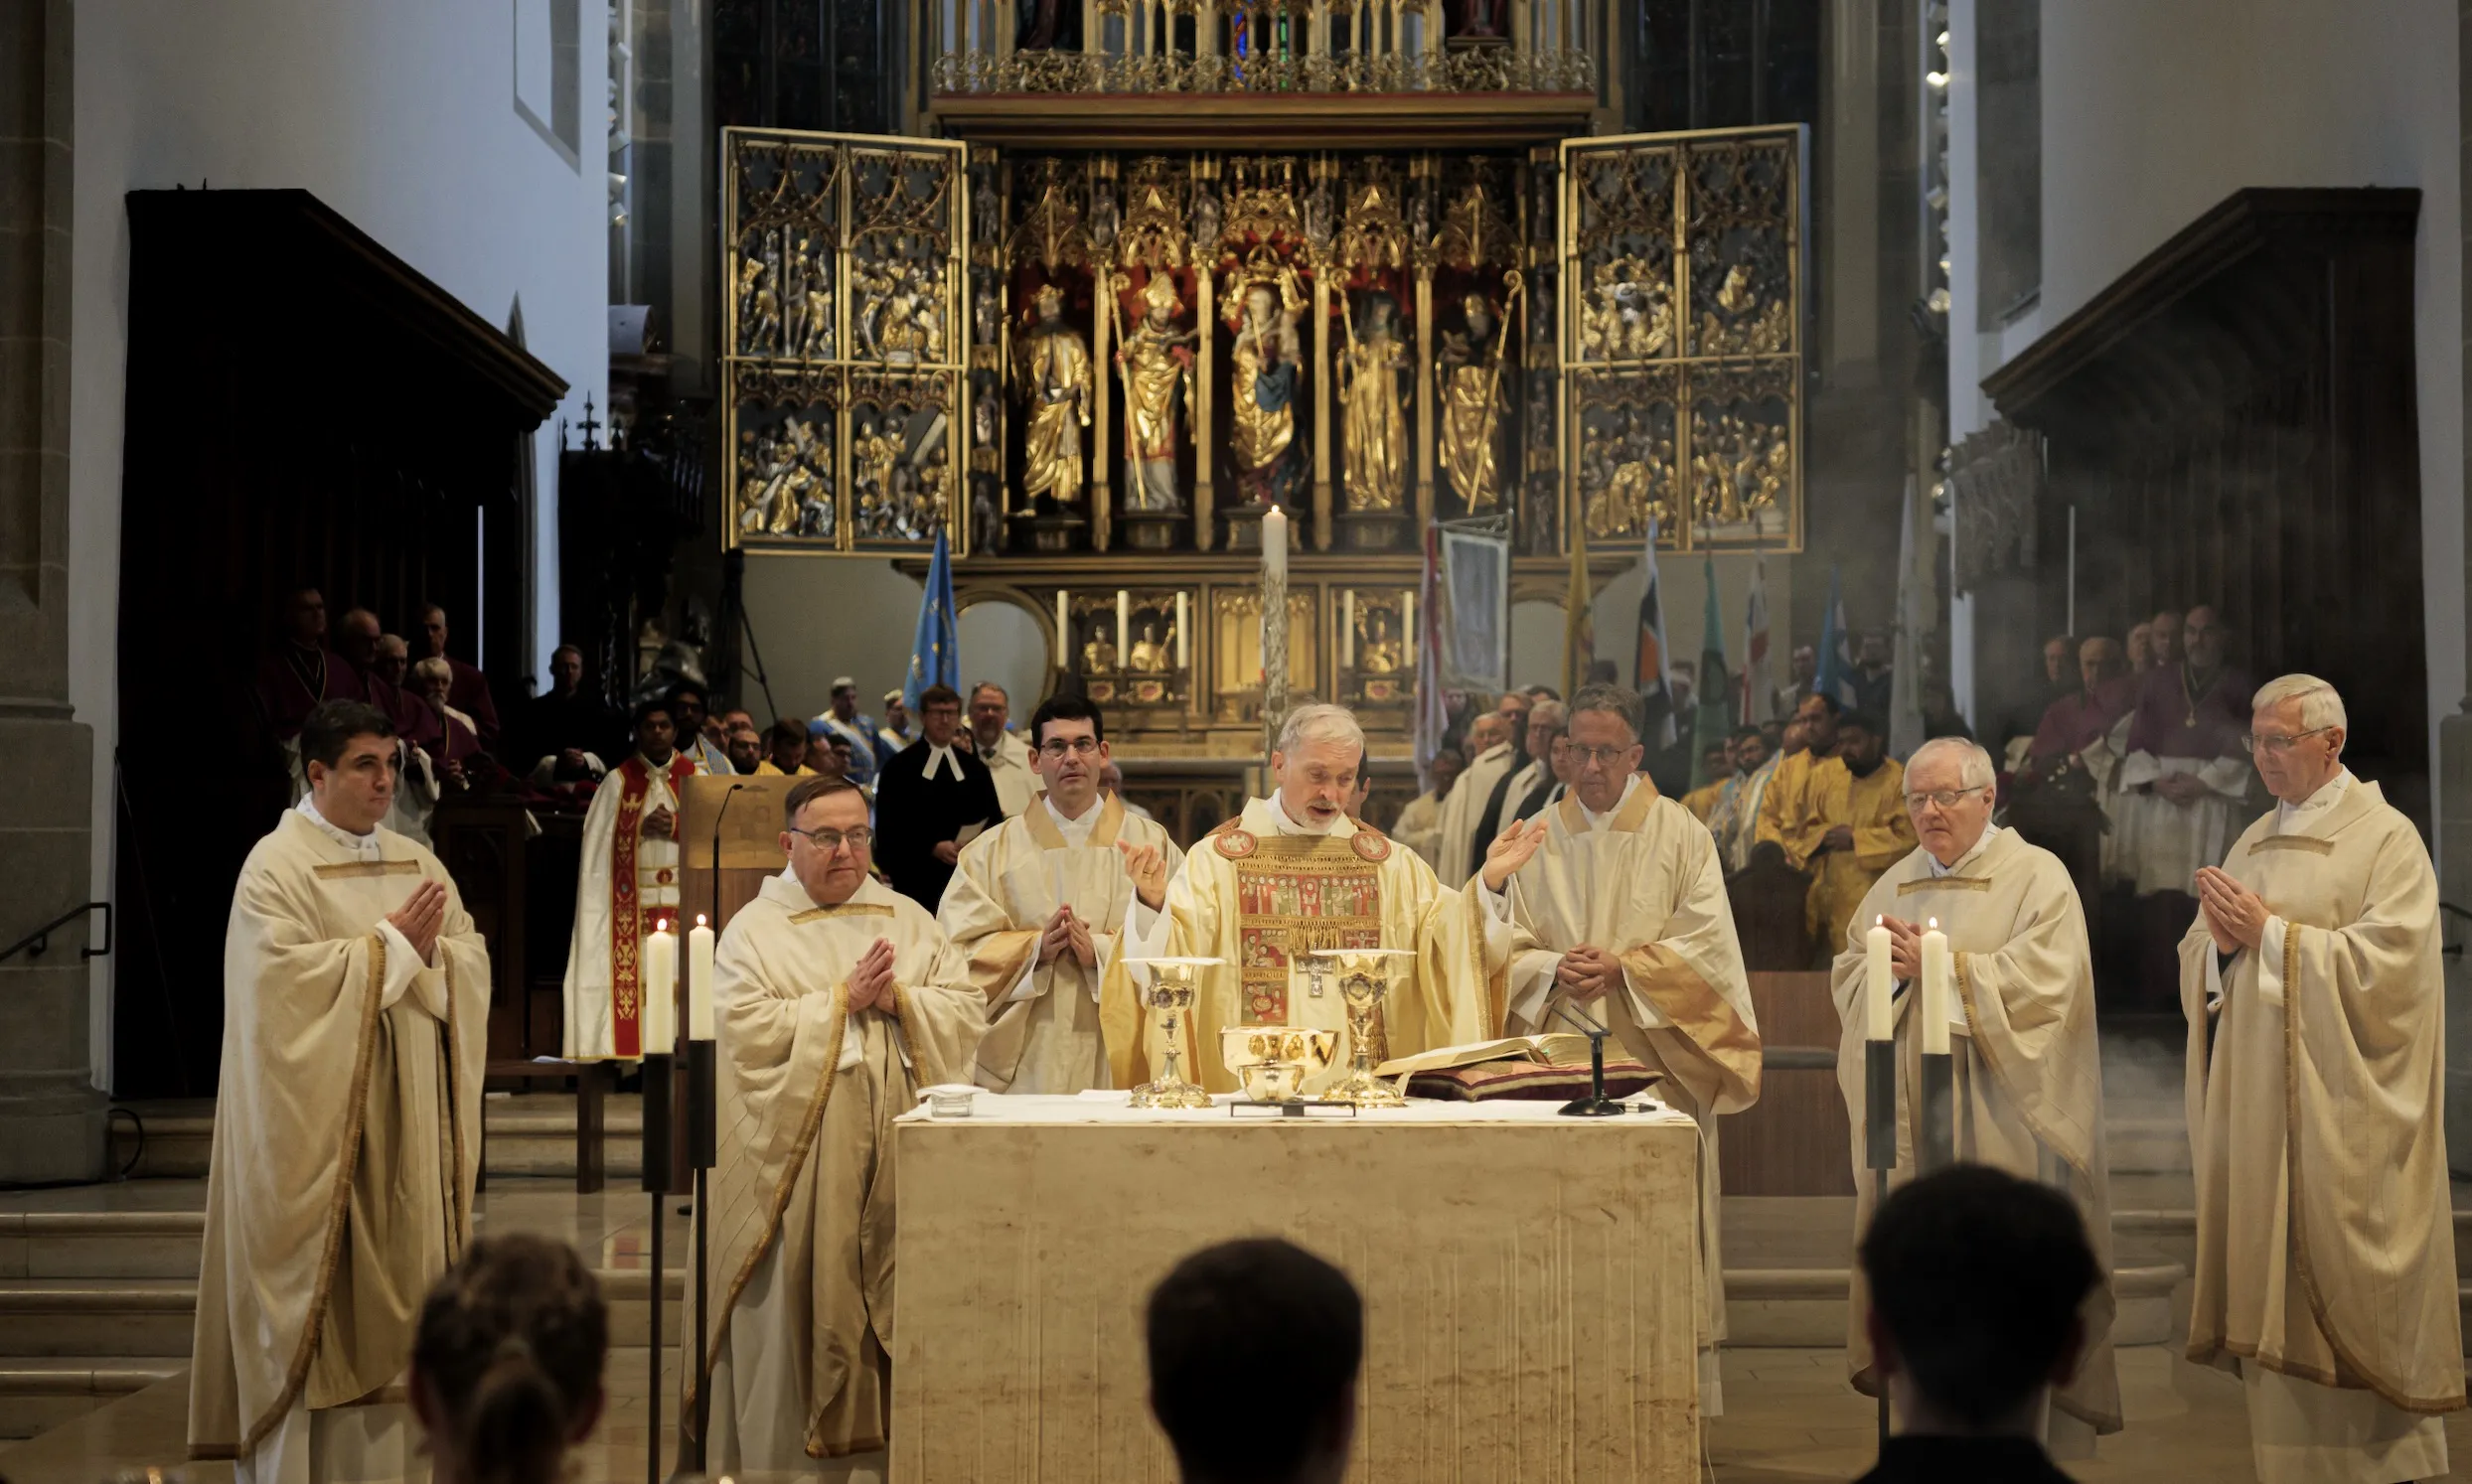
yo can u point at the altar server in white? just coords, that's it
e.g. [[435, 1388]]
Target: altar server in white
[[1039, 903]]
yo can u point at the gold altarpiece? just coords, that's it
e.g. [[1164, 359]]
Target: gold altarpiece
[[1093, 367]]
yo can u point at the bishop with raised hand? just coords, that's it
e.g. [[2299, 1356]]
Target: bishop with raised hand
[[1623, 915], [1293, 873], [1038, 904], [834, 1000], [2316, 1088], [347, 1130], [2026, 1075]]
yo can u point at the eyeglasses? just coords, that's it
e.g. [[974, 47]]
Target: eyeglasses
[[1079, 746], [1582, 754], [830, 840], [1945, 797], [2275, 743]]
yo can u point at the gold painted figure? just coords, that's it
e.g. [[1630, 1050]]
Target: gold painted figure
[[1099, 656], [1474, 406], [1157, 360], [1151, 653], [1374, 431], [1053, 370], [1380, 652], [1266, 362]]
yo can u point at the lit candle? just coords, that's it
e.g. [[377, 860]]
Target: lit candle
[[1935, 990], [1123, 622], [1064, 632], [659, 1022], [1182, 659], [1880, 1020], [1274, 543], [1348, 628], [699, 981]]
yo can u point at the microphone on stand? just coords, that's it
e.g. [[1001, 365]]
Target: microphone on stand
[[719, 815], [703, 1079]]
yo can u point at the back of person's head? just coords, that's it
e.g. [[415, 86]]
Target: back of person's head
[[1976, 1280], [506, 1364], [1268, 1322]]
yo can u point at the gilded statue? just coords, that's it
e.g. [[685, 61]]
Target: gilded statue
[[1052, 368], [1157, 364], [1099, 656], [783, 485], [1150, 654], [1380, 652], [759, 307], [1628, 474], [1266, 366], [897, 310], [1374, 431], [1470, 367], [1624, 318]]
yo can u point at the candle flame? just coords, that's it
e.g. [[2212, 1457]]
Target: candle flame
[[698, 919], [1934, 925], [1881, 920]]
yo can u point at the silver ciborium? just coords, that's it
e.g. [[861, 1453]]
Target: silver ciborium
[[1364, 983], [1173, 983]]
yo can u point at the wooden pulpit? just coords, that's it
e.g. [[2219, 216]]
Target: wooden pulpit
[[747, 813]]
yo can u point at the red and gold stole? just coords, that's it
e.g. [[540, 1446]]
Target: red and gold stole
[[626, 907], [1297, 893]]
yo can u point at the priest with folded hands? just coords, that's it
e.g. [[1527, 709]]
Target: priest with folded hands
[[834, 1000], [2025, 1072], [1621, 916]]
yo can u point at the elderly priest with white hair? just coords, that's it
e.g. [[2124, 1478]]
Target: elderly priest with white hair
[[834, 999], [348, 1133], [2326, 1248], [1623, 914], [2025, 1070], [1290, 874]]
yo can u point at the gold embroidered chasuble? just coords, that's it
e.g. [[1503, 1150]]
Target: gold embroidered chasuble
[[2325, 1245], [346, 1133], [2026, 1070], [1647, 887], [1261, 902], [802, 1220], [1043, 1018]]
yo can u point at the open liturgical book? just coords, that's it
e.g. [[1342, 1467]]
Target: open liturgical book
[[1548, 1067]]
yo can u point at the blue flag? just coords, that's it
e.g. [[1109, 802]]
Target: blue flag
[[1836, 650], [935, 654]]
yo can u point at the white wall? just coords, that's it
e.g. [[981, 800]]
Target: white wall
[[2155, 110], [400, 116]]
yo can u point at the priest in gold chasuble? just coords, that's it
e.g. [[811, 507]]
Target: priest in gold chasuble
[[1623, 916], [2027, 1074], [1037, 905], [1293, 873], [2315, 996], [834, 1000], [348, 1133]]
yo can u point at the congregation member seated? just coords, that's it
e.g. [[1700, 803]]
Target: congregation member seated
[[571, 736], [1976, 1281], [745, 749], [469, 690], [785, 750], [1268, 1320], [505, 1372]]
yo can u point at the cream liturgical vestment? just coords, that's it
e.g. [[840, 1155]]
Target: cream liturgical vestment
[[1645, 883], [626, 886], [1260, 893], [2026, 1069], [1043, 1018], [1454, 840], [2326, 1245], [347, 1135], [802, 1220]]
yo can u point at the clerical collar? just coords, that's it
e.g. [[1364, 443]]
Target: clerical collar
[[660, 767], [1631, 786], [944, 755], [1074, 831], [1971, 854], [362, 845], [1287, 826], [2327, 795]]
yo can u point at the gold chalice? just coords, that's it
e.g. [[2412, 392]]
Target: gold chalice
[[1364, 983], [1309, 1049], [1273, 1082], [1173, 983]]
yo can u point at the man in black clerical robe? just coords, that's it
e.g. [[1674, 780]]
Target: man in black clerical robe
[[931, 800], [571, 736]]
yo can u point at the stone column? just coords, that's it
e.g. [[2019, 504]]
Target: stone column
[[50, 1116]]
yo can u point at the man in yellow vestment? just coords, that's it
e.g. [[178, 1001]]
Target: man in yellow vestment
[[1623, 914], [1037, 904], [1293, 873], [2027, 1076], [356, 1007], [834, 999], [2325, 1245], [1843, 819]]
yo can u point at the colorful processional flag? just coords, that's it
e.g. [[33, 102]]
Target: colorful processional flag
[[935, 652], [1836, 649], [1758, 695], [1649, 671]]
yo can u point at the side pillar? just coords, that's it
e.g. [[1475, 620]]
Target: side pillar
[[50, 1114]]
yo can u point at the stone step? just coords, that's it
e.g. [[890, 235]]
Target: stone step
[[1806, 1306], [100, 1244], [153, 1316], [37, 1396], [527, 1134]]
